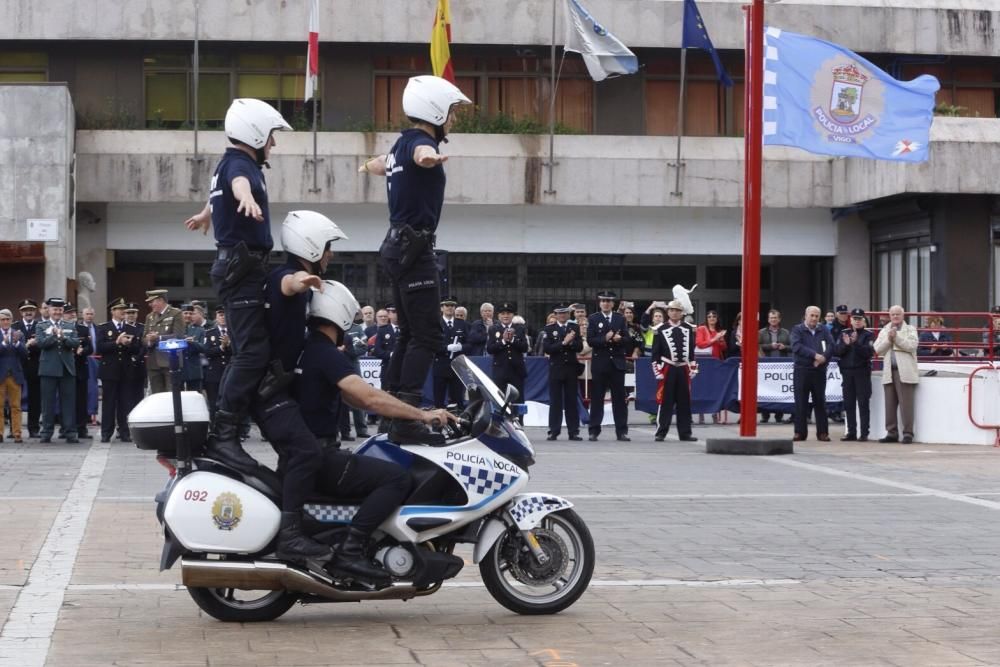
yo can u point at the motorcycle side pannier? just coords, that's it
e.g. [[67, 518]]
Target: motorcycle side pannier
[[152, 422]]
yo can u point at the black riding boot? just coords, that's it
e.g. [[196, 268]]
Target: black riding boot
[[411, 431], [351, 559], [295, 545], [224, 445]]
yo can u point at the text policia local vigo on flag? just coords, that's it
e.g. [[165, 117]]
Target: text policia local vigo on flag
[[602, 53], [440, 41], [826, 99], [312, 53]]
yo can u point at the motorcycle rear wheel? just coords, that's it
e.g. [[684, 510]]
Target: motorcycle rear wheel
[[237, 606], [517, 582]]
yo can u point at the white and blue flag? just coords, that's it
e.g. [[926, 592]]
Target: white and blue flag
[[603, 54], [823, 98]]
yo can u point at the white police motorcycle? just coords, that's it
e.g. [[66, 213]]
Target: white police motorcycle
[[535, 554]]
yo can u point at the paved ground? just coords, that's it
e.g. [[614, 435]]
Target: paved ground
[[839, 555]]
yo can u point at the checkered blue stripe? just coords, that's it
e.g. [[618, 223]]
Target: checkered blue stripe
[[529, 506], [480, 480], [331, 513]]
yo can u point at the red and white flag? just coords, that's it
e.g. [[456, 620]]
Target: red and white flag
[[312, 55]]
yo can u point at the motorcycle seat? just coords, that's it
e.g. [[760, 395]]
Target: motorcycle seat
[[266, 480]]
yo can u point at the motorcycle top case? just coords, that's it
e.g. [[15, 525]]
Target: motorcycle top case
[[152, 422]]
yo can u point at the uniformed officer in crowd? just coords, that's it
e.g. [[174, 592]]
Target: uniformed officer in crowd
[[163, 322], [82, 354], [217, 352], [238, 213], [117, 344], [673, 359], [508, 343], [610, 342], [381, 319], [194, 334], [415, 183], [201, 314], [855, 347], [355, 346], [385, 342], [28, 310], [58, 342], [561, 342], [447, 387], [137, 378], [324, 378]]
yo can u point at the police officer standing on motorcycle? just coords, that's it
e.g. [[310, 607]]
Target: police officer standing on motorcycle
[[324, 377], [415, 182], [237, 210]]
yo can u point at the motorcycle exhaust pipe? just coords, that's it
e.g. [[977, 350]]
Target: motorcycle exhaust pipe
[[268, 576]]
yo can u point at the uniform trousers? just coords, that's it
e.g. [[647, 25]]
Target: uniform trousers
[[898, 399], [503, 376], [82, 391], [857, 388], [212, 391], [34, 386], [115, 408], [606, 378], [246, 320], [448, 388], [563, 396], [676, 394], [810, 383], [299, 452], [416, 294], [10, 391], [383, 485], [65, 386], [159, 380]]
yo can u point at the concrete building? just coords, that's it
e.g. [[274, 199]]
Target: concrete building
[[835, 230]]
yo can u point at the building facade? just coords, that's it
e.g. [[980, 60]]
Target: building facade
[[607, 212]]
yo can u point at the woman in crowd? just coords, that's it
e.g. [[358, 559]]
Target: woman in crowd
[[934, 342], [635, 331], [657, 318], [710, 341], [734, 339]]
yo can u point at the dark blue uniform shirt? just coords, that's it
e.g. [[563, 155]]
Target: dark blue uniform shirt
[[415, 193], [321, 367], [286, 317], [231, 227]]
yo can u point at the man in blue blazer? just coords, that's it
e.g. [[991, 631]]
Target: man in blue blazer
[[13, 354]]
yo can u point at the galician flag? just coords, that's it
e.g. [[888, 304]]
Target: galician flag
[[826, 99], [602, 53], [312, 55], [440, 41]]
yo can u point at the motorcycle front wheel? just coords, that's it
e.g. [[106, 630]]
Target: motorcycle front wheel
[[516, 580], [233, 605]]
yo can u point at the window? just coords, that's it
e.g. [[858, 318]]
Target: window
[[903, 276], [710, 110], [278, 79], [972, 85], [23, 67]]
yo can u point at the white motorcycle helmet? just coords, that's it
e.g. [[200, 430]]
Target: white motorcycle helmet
[[308, 234], [335, 304], [430, 98], [251, 122]]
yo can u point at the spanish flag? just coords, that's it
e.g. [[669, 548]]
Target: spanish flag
[[440, 41]]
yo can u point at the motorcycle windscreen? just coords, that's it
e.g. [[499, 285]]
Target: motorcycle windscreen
[[473, 376]]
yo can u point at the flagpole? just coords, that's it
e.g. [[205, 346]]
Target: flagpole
[[315, 187], [552, 102], [754, 139], [196, 66], [681, 105]]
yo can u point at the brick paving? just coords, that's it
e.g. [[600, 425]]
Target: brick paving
[[701, 560]]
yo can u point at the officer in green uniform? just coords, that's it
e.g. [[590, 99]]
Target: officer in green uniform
[[164, 321]]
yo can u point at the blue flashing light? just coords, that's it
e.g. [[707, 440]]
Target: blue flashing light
[[171, 344]]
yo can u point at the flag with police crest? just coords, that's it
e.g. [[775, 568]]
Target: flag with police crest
[[825, 99]]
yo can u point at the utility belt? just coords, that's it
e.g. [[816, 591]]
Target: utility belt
[[240, 261], [671, 362], [408, 244]]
